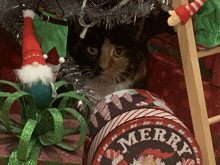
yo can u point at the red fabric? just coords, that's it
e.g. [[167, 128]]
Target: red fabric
[[31, 50], [8, 74], [212, 62], [216, 72], [166, 79], [209, 61], [165, 40], [53, 57], [1, 53], [15, 60], [183, 13], [9, 60]]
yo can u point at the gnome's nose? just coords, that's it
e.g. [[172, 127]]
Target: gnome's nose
[[35, 64]]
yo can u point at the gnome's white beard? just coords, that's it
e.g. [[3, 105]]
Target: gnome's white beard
[[29, 75]]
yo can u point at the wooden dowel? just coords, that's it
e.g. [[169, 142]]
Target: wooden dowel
[[208, 52], [213, 120]]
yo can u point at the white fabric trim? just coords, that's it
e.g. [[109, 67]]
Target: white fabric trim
[[28, 13]]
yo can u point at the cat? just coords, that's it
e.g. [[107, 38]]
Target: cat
[[117, 58]]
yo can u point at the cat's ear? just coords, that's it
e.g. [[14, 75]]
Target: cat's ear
[[133, 30]]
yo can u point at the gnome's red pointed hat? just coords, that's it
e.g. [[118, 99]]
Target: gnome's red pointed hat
[[31, 50]]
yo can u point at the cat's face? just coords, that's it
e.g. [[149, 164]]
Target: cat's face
[[110, 54], [114, 60]]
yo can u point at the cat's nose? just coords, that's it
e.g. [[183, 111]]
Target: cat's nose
[[105, 66]]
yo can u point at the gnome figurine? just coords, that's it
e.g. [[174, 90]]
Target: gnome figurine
[[35, 75]]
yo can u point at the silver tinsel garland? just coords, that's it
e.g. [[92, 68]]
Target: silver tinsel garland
[[90, 12], [69, 72]]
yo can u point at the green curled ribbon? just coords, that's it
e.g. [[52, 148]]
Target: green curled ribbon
[[40, 128]]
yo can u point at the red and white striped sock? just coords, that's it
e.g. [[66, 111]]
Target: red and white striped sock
[[200, 47], [185, 12], [194, 6]]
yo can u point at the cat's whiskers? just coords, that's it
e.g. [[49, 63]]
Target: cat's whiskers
[[121, 72], [114, 79], [88, 74], [124, 74], [84, 70], [118, 77], [86, 67]]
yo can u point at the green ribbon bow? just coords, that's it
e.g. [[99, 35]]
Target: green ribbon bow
[[40, 128]]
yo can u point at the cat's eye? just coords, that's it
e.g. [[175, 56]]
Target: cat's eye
[[119, 52], [92, 50]]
